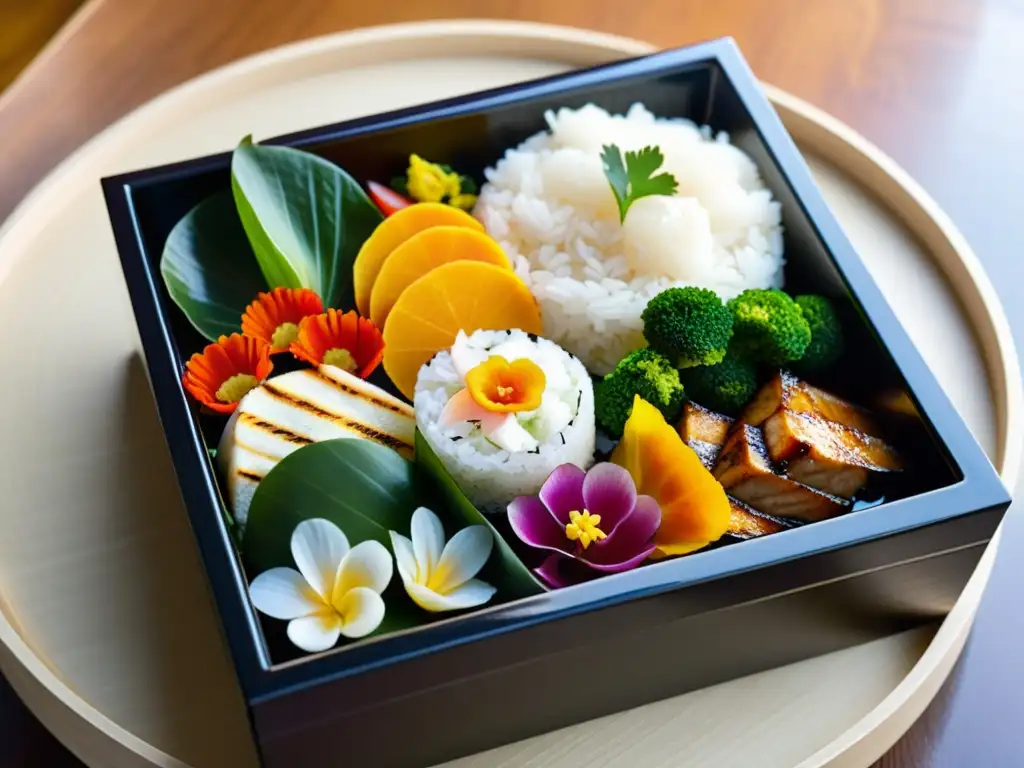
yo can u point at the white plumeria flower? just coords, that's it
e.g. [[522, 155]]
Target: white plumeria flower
[[336, 590], [439, 576]]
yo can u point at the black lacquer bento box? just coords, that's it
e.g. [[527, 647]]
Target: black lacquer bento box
[[478, 679]]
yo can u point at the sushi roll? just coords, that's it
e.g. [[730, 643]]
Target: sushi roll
[[502, 409]]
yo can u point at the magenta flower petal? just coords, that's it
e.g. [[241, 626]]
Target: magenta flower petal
[[608, 491], [625, 565], [562, 492], [551, 571], [534, 525], [628, 523], [633, 536]]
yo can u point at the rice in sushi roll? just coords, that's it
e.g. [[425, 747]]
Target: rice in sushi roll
[[498, 455]]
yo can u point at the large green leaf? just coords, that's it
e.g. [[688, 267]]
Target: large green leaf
[[506, 571], [363, 488], [209, 268], [305, 217]]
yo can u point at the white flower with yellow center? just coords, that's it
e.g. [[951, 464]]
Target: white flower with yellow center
[[335, 592], [439, 576]]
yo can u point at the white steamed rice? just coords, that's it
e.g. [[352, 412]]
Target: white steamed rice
[[550, 206], [489, 476]]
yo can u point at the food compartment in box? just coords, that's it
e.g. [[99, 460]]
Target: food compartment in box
[[909, 528]]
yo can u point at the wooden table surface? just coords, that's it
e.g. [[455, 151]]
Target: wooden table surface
[[936, 83]]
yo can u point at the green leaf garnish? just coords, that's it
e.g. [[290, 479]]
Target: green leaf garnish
[[209, 268], [305, 218], [633, 178], [363, 488], [504, 570]]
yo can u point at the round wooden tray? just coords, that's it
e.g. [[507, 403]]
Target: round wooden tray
[[106, 629]]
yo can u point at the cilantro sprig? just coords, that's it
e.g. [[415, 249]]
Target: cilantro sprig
[[633, 177]]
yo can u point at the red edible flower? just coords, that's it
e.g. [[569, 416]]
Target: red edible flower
[[221, 375], [275, 316], [346, 340]]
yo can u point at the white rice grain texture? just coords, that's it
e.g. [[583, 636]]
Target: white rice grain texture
[[489, 476], [550, 206]]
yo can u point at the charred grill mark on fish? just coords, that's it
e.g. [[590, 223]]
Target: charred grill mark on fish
[[745, 470], [747, 523], [704, 431], [784, 391]]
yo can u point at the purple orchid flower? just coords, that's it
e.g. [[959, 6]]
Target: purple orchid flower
[[595, 518]]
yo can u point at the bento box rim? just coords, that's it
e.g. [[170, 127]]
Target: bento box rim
[[979, 488]]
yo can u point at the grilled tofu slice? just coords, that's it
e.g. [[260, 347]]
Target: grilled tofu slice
[[748, 523], [825, 454], [302, 407], [744, 469], [704, 431], [786, 391]]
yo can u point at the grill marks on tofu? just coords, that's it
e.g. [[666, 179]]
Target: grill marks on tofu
[[704, 431], [297, 409], [745, 470], [748, 523]]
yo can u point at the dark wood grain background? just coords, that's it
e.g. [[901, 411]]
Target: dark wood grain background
[[938, 84]]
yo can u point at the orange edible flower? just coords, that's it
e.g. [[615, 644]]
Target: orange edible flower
[[221, 375], [275, 316], [346, 340], [504, 387], [694, 508]]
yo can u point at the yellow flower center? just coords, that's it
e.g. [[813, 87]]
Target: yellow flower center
[[434, 580], [583, 528], [342, 358], [234, 389], [284, 334]]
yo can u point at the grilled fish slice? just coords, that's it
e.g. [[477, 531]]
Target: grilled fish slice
[[826, 455], [745, 470], [748, 523], [704, 431], [786, 391], [302, 407]]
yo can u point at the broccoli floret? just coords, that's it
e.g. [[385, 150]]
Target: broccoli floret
[[642, 372], [690, 326], [769, 327], [726, 387], [826, 334]]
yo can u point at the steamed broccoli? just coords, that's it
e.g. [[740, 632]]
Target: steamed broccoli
[[769, 327], [642, 372], [826, 333], [690, 326], [726, 387]]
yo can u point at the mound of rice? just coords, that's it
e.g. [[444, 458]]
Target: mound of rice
[[550, 206], [490, 476]]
